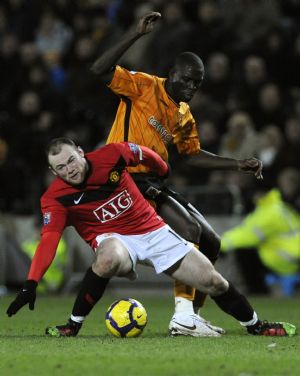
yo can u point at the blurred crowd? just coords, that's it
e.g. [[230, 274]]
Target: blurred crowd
[[248, 105]]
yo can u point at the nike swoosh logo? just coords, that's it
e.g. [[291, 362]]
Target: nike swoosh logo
[[76, 202], [139, 316], [186, 326]]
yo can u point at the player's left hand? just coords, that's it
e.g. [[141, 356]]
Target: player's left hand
[[26, 295], [251, 166]]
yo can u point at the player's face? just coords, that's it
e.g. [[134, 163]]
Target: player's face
[[70, 164], [184, 81]]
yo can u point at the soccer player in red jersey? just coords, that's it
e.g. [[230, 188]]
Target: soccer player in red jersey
[[95, 194]]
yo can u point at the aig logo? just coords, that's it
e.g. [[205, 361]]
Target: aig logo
[[114, 207]]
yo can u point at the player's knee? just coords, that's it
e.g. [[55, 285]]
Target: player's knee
[[108, 259]]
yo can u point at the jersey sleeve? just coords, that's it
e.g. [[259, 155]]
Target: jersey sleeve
[[185, 134], [54, 216], [44, 255], [128, 83], [134, 155]]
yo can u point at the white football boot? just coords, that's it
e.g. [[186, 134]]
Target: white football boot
[[183, 324], [217, 329]]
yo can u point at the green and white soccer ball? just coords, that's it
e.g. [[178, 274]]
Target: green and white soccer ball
[[126, 318]]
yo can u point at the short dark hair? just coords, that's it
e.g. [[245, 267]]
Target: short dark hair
[[54, 147], [189, 58]]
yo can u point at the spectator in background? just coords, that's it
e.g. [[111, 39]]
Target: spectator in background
[[169, 41], [239, 141], [3, 21], [293, 78], [250, 21], [275, 50], [249, 82], [290, 155], [23, 17], [271, 107], [210, 136], [271, 232], [10, 71], [205, 107], [29, 55], [270, 145], [218, 79], [53, 35], [209, 33], [14, 189]]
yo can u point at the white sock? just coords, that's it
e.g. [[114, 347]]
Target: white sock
[[251, 322], [183, 305], [78, 319]]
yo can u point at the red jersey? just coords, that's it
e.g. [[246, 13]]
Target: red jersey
[[107, 201]]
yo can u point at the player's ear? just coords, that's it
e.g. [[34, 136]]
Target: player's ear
[[53, 172], [80, 151]]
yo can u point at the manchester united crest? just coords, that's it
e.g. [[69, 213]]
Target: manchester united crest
[[114, 177]]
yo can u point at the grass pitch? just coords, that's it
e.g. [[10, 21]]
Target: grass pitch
[[25, 350]]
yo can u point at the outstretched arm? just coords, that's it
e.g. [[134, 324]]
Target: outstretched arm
[[211, 161], [103, 65]]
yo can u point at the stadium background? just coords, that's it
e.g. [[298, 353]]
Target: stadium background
[[249, 103]]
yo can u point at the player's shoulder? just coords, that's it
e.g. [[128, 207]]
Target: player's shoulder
[[56, 185], [136, 75], [103, 149], [108, 153], [54, 190]]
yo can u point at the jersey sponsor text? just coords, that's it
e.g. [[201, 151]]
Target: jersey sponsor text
[[114, 207]]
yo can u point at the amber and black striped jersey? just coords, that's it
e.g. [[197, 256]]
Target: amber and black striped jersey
[[148, 116]]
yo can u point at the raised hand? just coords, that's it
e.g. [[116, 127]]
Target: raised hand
[[147, 22], [251, 166]]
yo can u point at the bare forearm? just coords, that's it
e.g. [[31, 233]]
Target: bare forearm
[[212, 161], [105, 62], [110, 58]]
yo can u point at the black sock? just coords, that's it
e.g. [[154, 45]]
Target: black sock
[[235, 304], [91, 291]]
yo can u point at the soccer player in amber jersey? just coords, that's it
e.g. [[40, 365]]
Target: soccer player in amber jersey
[[154, 112], [96, 195]]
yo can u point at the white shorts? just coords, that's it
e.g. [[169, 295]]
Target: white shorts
[[161, 248]]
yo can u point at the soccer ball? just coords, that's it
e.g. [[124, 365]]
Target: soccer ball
[[126, 318]]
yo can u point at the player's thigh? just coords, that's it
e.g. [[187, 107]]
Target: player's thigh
[[178, 218], [197, 271], [112, 255], [209, 240]]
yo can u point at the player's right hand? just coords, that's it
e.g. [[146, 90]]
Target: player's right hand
[[26, 295], [147, 22]]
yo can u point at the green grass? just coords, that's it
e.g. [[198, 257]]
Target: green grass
[[24, 350]]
